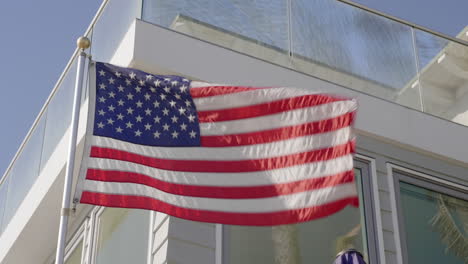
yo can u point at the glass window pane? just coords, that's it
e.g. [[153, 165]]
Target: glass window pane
[[123, 236], [3, 196], [437, 221], [59, 112], [354, 48], [75, 257], [24, 171], [317, 241]]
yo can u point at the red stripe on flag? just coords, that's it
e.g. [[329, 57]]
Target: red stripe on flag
[[269, 108], [278, 134], [207, 91], [226, 165], [227, 192], [258, 219]]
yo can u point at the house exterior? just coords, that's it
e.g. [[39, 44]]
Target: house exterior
[[412, 156]]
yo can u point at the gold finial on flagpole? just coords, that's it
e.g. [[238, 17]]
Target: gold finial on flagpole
[[83, 43]]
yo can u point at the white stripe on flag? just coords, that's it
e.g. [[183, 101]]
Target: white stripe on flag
[[247, 98], [283, 175], [283, 119], [259, 151], [259, 205]]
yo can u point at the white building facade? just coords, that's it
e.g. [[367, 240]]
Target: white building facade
[[411, 131]]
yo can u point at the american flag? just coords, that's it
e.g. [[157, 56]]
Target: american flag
[[215, 153]]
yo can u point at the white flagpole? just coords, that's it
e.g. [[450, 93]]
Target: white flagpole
[[82, 43]]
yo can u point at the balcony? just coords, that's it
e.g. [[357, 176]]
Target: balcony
[[329, 40]]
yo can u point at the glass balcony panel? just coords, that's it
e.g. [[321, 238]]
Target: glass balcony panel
[[443, 69], [24, 171], [112, 26], [59, 113], [258, 28], [354, 48], [3, 196]]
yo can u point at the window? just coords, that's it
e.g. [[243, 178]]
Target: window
[[317, 241], [433, 221], [122, 236]]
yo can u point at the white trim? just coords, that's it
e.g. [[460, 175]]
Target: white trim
[[95, 232], [393, 205], [429, 177], [88, 238], [78, 237], [376, 201], [151, 236], [219, 244]]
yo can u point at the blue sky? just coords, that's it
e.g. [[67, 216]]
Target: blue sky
[[38, 39]]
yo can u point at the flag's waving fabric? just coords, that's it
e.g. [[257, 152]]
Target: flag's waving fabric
[[212, 153]]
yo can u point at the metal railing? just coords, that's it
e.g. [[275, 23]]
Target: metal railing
[[399, 20]]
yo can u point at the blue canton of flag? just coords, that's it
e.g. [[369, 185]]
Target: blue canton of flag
[[145, 109]]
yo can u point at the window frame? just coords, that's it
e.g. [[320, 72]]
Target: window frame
[[366, 165], [425, 181], [78, 237], [95, 215], [95, 219], [370, 209]]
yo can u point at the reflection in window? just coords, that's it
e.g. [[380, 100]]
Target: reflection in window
[[75, 257], [317, 241], [122, 236], [436, 226]]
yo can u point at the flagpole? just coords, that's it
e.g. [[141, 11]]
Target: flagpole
[[82, 43]]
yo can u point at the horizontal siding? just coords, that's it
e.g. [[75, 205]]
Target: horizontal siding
[[385, 201], [389, 241], [390, 257], [387, 223], [182, 252], [382, 181], [158, 219], [193, 232]]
